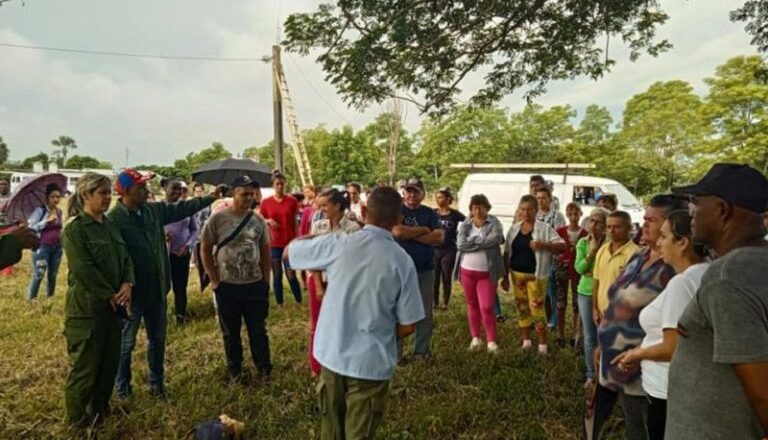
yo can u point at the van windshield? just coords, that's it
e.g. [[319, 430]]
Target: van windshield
[[626, 198]]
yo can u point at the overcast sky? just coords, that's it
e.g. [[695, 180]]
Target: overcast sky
[[163, 109]]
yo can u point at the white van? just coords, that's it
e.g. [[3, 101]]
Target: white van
[[504, 191]]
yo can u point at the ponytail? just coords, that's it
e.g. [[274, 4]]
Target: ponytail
[[87, 184], [339, 198]]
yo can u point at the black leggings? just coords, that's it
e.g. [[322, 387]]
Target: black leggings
[[444, 261], [657, 418]]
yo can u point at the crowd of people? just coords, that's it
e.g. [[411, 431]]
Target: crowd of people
[[672, 319]]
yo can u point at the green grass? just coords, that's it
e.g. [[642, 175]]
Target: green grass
[[456, 395]]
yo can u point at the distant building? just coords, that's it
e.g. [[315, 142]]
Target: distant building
[[19, 177]]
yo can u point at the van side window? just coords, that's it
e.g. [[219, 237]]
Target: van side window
[[587, 195]]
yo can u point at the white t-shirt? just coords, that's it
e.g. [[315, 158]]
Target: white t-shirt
[[475, 260], [663, 313]]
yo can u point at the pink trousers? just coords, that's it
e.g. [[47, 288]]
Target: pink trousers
[[480, 292], [314, 314]]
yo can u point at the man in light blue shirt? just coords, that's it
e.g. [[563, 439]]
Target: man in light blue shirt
[[372, 299]]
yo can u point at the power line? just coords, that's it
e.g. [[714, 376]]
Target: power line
[[333, 109], [130, 54]]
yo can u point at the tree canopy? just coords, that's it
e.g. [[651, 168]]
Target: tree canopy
[[373, 50]]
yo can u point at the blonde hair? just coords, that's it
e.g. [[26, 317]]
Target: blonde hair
[[87, 184]]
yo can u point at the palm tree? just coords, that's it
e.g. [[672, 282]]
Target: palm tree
[[63, 144]]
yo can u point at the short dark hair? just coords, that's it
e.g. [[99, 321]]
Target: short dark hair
[[544, 189], [529, 199], [277, 175], [356, 186], [446, 192], [51, 188], [573, 205], [537, 178], [384, 206], [624, 216], [340, 198], [165, 182], [610, 199], [196, 185], [668, 203], [481, 200]]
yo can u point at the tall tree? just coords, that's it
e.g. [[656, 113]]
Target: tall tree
[[63, 145], [194, 160], [465, 135], [39, 157], [539, 135], [81, 162], [348, 157], [592, 137], [660, 129], [737, 105], [373, 50], [4, 151], [393, 144]]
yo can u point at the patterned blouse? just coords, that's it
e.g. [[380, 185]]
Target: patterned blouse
[[620, 328]]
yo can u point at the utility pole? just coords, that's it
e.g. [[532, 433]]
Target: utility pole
[[277, 109]]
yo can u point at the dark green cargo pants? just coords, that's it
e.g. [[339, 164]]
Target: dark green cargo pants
[[93, 345], [351, 409]]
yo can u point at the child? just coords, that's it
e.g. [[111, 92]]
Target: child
[[566, 277]]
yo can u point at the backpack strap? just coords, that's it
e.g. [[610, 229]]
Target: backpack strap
[[234, 233]]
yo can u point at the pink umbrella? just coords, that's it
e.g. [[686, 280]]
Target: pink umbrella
[[31, 195]]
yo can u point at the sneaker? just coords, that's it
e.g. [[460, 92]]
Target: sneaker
[[476, 344], [493, 348], [542, 349], [527, 344], [501, 318]]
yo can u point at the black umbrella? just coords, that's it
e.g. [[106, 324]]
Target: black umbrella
[[225, 171]]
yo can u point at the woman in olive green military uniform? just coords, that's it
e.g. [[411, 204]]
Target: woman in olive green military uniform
[[100, 282]]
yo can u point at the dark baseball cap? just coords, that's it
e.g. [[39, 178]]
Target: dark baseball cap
[[414, 182], [739, 185], [244, 181]]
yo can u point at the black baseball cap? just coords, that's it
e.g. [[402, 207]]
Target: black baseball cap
[[244, 181], [414, 182], [739, 185]]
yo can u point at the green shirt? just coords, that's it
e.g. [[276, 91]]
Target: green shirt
[[584, 267], [142, 230], [98, 265], [10, 250]]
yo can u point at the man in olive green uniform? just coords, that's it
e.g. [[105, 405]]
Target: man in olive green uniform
[[141, 226], [99, 266]]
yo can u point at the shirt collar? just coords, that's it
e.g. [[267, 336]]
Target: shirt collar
[[381, 232]]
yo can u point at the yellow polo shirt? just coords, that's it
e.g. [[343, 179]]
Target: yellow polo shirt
[[608, 267]]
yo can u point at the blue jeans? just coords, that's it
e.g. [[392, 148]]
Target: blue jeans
[[277, 276], [45, 259], [590, 333], [423, 334], [156, 323]]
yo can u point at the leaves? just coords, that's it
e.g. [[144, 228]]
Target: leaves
[[373, 50]]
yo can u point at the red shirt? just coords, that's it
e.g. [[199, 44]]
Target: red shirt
[[285, 213], [567, 258]]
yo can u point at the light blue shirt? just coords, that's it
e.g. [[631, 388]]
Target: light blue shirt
[[372, 287]]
